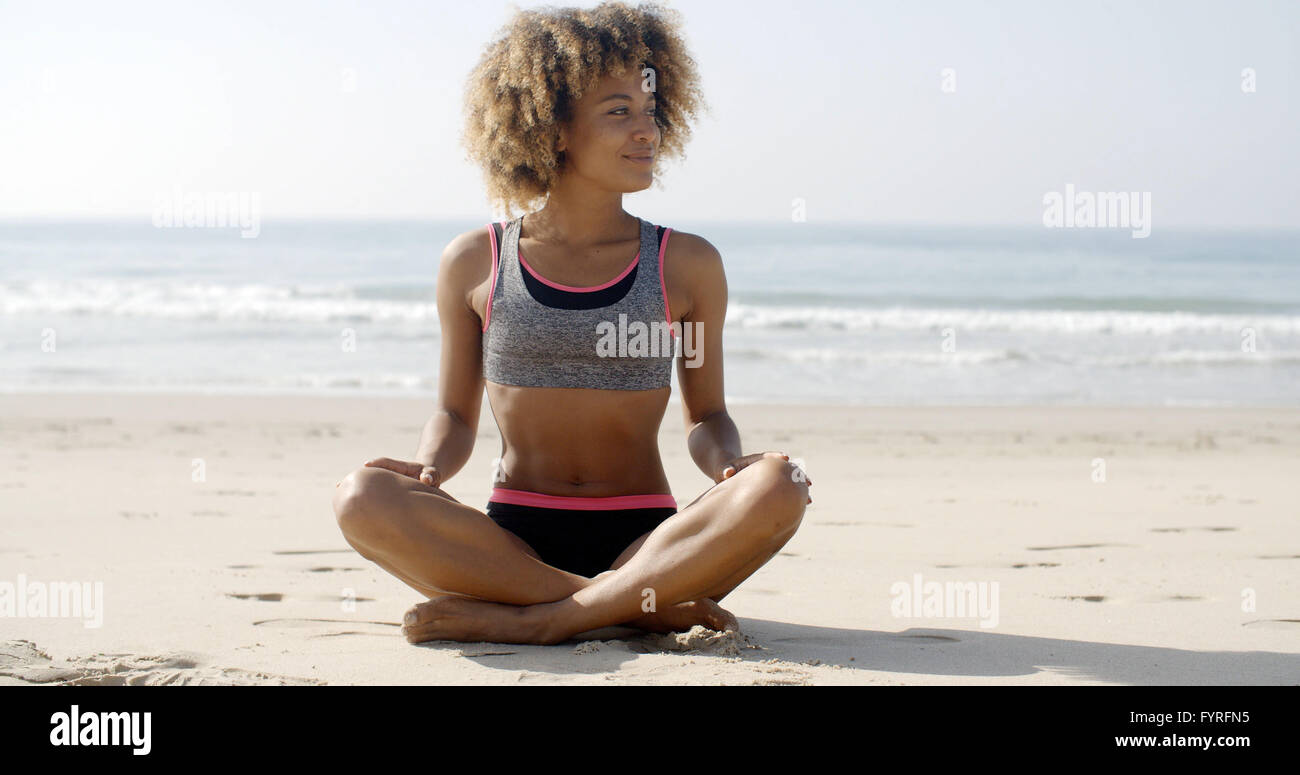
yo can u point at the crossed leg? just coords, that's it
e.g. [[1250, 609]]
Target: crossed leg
[[438, 545], [486, 584]]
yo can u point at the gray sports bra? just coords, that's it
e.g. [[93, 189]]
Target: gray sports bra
[[614, 336]]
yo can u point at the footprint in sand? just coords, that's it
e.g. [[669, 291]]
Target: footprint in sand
[[919, 636], [266, 597], [295, 622], [26, 662], [1272, 624], [341, 598], [327, 629], [1014, 565], [278, 597]]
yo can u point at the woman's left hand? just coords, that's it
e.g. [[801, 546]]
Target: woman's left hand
[[733, 466]]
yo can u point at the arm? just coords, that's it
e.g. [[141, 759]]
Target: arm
[[711, 435], [448, 436], [713, 442]]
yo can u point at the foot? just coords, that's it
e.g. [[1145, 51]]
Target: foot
[[467, 619], [684, 616]]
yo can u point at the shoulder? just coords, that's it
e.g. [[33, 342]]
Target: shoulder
[[691, 250], [693, 270], [468, 252], [467, 258], [466, 262]]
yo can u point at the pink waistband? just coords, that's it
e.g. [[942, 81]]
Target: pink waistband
[[526, 498]]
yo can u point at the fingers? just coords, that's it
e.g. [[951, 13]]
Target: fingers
[[742, 462], [734, 466], [801, 476], [426, 474], [804, 474], [396, 466]]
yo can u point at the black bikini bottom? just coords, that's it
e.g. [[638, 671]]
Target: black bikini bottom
[[581, 541]]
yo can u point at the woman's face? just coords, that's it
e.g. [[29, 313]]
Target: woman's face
[[612, 125]]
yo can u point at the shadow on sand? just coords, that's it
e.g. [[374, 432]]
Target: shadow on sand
[[959, 654]]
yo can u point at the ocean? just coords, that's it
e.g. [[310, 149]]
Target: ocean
[[824, 313]]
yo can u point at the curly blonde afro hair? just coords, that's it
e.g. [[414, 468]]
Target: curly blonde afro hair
[[543, 61]]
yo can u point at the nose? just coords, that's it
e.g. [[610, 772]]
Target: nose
[[647, 131]]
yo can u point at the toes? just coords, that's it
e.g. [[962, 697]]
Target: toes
[[412, 634], [420, 613], [717, 617], [419, 623]]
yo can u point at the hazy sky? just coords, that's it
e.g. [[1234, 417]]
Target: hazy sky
[[334, 109]]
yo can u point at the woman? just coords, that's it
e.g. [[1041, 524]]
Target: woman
[[575, 107]]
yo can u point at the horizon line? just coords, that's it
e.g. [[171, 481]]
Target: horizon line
[[883, 224]]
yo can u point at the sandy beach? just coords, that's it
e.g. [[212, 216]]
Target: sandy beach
[[1119, 546]]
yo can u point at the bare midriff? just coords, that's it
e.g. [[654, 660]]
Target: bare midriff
[[579, 441]]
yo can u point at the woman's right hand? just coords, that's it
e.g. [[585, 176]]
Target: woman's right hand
[[426, 474]]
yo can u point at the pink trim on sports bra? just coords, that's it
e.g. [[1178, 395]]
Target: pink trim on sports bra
[[582, 503], [574, 288], [487, 318], [662, 286]]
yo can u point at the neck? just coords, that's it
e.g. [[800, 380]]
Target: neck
[[579, 218]]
